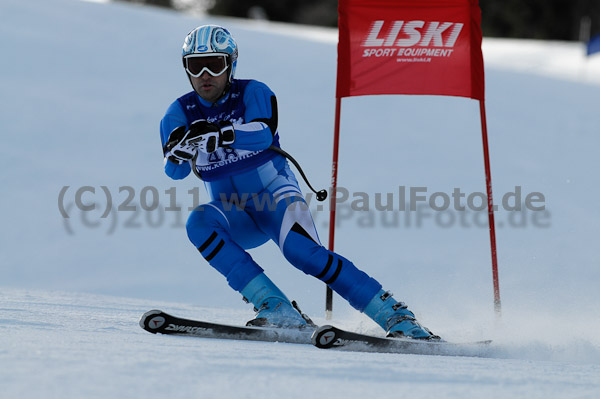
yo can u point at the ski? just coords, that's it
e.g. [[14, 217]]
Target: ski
[[157, 321], [327, 337]]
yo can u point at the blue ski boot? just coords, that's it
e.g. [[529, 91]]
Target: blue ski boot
[[272, 307], [395, 318]]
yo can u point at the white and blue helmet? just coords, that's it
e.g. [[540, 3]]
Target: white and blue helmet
[[211, 39]]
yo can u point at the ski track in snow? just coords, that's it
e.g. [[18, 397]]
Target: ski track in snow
[[83, 87]]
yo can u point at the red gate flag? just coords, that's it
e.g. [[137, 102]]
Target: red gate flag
[[410, 47]]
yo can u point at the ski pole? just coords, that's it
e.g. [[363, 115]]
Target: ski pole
[[321, 194]]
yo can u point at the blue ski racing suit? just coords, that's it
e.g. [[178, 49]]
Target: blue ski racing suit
[[255, 196]]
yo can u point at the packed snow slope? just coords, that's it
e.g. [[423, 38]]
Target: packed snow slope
[[83, 86], [65, 345]]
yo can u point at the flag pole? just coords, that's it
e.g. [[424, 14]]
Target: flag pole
[[332, 199], [490, 200]]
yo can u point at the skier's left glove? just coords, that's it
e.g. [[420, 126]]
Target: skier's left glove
[[210, 136], [177, 149]]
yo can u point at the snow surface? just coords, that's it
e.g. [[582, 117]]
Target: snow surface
[[83, 86]]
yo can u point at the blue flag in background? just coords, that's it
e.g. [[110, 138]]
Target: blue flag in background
[[593, 46]]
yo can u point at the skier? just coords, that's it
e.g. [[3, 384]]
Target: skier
[[224, 128]]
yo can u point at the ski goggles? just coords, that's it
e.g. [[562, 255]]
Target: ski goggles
[[196, 64]]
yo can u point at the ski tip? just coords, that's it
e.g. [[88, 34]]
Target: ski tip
[[324, 337], [152, 320]]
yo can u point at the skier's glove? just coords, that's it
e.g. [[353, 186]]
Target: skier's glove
[[210, 136], [177, 149], [182, 145]]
